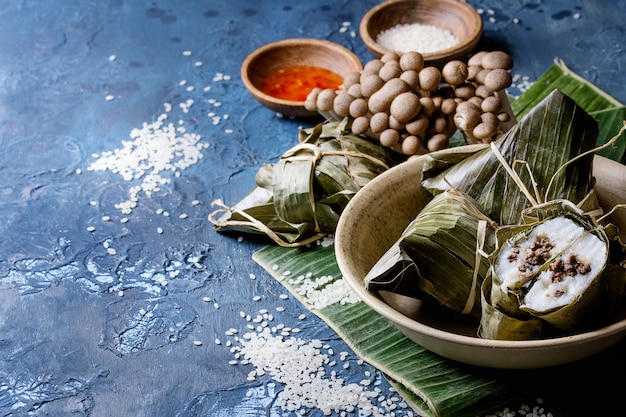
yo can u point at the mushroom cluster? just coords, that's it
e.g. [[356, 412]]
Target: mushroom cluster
[[413, 108]]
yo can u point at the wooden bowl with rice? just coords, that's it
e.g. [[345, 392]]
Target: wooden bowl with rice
[[441, 30]]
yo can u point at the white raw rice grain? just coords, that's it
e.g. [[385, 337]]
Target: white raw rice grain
[[416, 37], [154, 149]]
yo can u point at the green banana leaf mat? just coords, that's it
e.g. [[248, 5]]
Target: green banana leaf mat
[[435, 386]]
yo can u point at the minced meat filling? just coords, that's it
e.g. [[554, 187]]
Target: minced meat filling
[[539, 252]]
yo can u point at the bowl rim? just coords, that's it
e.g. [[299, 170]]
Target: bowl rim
[[290, 42], [381, 307], [472, 39]]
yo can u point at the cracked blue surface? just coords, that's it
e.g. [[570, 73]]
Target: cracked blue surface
[[89, 333]]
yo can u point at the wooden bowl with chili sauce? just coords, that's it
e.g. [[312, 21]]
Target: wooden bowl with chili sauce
[[453, 17], [281, 74]]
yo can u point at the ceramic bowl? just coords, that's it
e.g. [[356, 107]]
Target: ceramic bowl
[[294, 52], [458, 17], [374, 220]]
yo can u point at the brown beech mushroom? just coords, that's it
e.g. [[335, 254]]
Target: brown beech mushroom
[[497, 60], [396, 124], [429, 78], [418, 126], [390, 70], [467, 116], [484, 131], [476, 60], [411, 61], [405, 106], [411, 77], [311, 99], [355, 90], [381, 99], [341, 104], [358, 107], [351, 78], [389, 137], [325, 99], [370, 83], [373, 66], [360, 125], [412, 108], [412, 145], [379, 122], [454, 72], [438, 142], [498, 79], [465, 91], [427, 106], [491, 104], [389, 56], [448, 106]]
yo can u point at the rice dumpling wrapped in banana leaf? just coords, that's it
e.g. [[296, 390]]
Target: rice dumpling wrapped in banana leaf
[[439, 254], [553, 133], [299, 198], [561, 273]]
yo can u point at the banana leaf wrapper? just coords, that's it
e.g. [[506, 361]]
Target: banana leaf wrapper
[[564, 269], [496, 324], [299, 198], [439, 254], [551, 134], [608, 111]]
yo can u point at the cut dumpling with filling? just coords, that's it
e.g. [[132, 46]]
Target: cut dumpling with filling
[[520, 260], [567, 276]]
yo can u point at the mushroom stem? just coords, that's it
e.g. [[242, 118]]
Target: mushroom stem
[[506, 107]]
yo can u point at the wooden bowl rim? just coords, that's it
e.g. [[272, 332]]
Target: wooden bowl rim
[[466, 43], [285, 43]]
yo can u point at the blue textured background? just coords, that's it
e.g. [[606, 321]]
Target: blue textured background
[[69, 343]]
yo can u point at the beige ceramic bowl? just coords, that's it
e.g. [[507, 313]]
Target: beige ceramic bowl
[[456, 16], [293, 52], [374, 220]]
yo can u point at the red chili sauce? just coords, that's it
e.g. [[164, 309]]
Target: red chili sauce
[[296, 82]]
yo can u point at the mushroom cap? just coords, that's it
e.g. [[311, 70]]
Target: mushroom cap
[[370, 83], [497, 59], [390, 70], [358, 107], [389, 137], [373, 66], [429, 78], [360, 125], [379, 122], [498, 79], [454, 72], [341, 104], [325, 99], [411, 60], [405, 106]]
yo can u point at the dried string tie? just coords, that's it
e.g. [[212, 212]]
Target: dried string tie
[[256, 224]]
